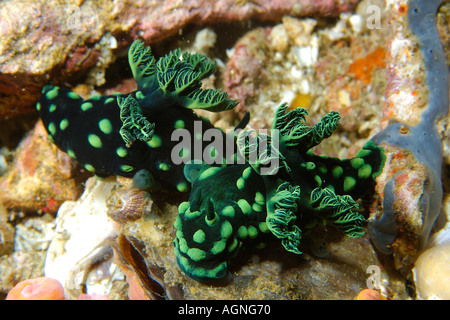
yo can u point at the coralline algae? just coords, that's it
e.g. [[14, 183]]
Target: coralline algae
[[421, 140]]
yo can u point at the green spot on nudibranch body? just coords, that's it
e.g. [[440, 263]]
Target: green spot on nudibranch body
[[252, 232], [121, 152], [192, 214], [242, 232], [240, 183], [322, 168], [109, 100], [228, 211], [52, 128], [96, 97], [309, 165], [52, 108], [126, 168], [89, 167], [365, 171], [357, 163], [233, 245], [64, 124], [52, 93], [196, 254], [363, 153], [163, 166], [209, 173], [73, 95], [95, 141], [257, 208], [337, 172], [318, 181], [182, 187], [246, 173], [226, 229], [263, 227], [244, 206], [199, 236], [349, 183], [183, 206], [71, 153], [86, 106], [179, 124], [219, 246], [155, 142], [105, 126], [259, 198]]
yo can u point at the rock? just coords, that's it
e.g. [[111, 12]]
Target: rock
[[19, 266], [411, 187], [295, 63], [41, 177], [39, 45], [6, 233]]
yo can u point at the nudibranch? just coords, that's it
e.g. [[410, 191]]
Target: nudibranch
[[236, 203], [272, 186], [124, 133]]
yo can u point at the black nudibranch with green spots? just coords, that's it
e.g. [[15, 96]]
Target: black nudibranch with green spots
[[237, 203], [123, 133], [229, 205]]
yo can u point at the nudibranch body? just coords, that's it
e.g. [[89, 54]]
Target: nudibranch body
[[233, 204], [123, 133], [271, 185]]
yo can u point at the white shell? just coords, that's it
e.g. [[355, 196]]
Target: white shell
[[83, 231]]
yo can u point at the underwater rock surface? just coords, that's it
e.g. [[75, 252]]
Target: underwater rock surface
[[44, 39], [411, 184], [27, 185]]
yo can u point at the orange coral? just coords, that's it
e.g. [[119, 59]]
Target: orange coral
[[42, 288], [370, 294], [362, 68]]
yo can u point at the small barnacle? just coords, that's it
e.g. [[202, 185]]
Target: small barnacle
[[128, 204], [403, 130]]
